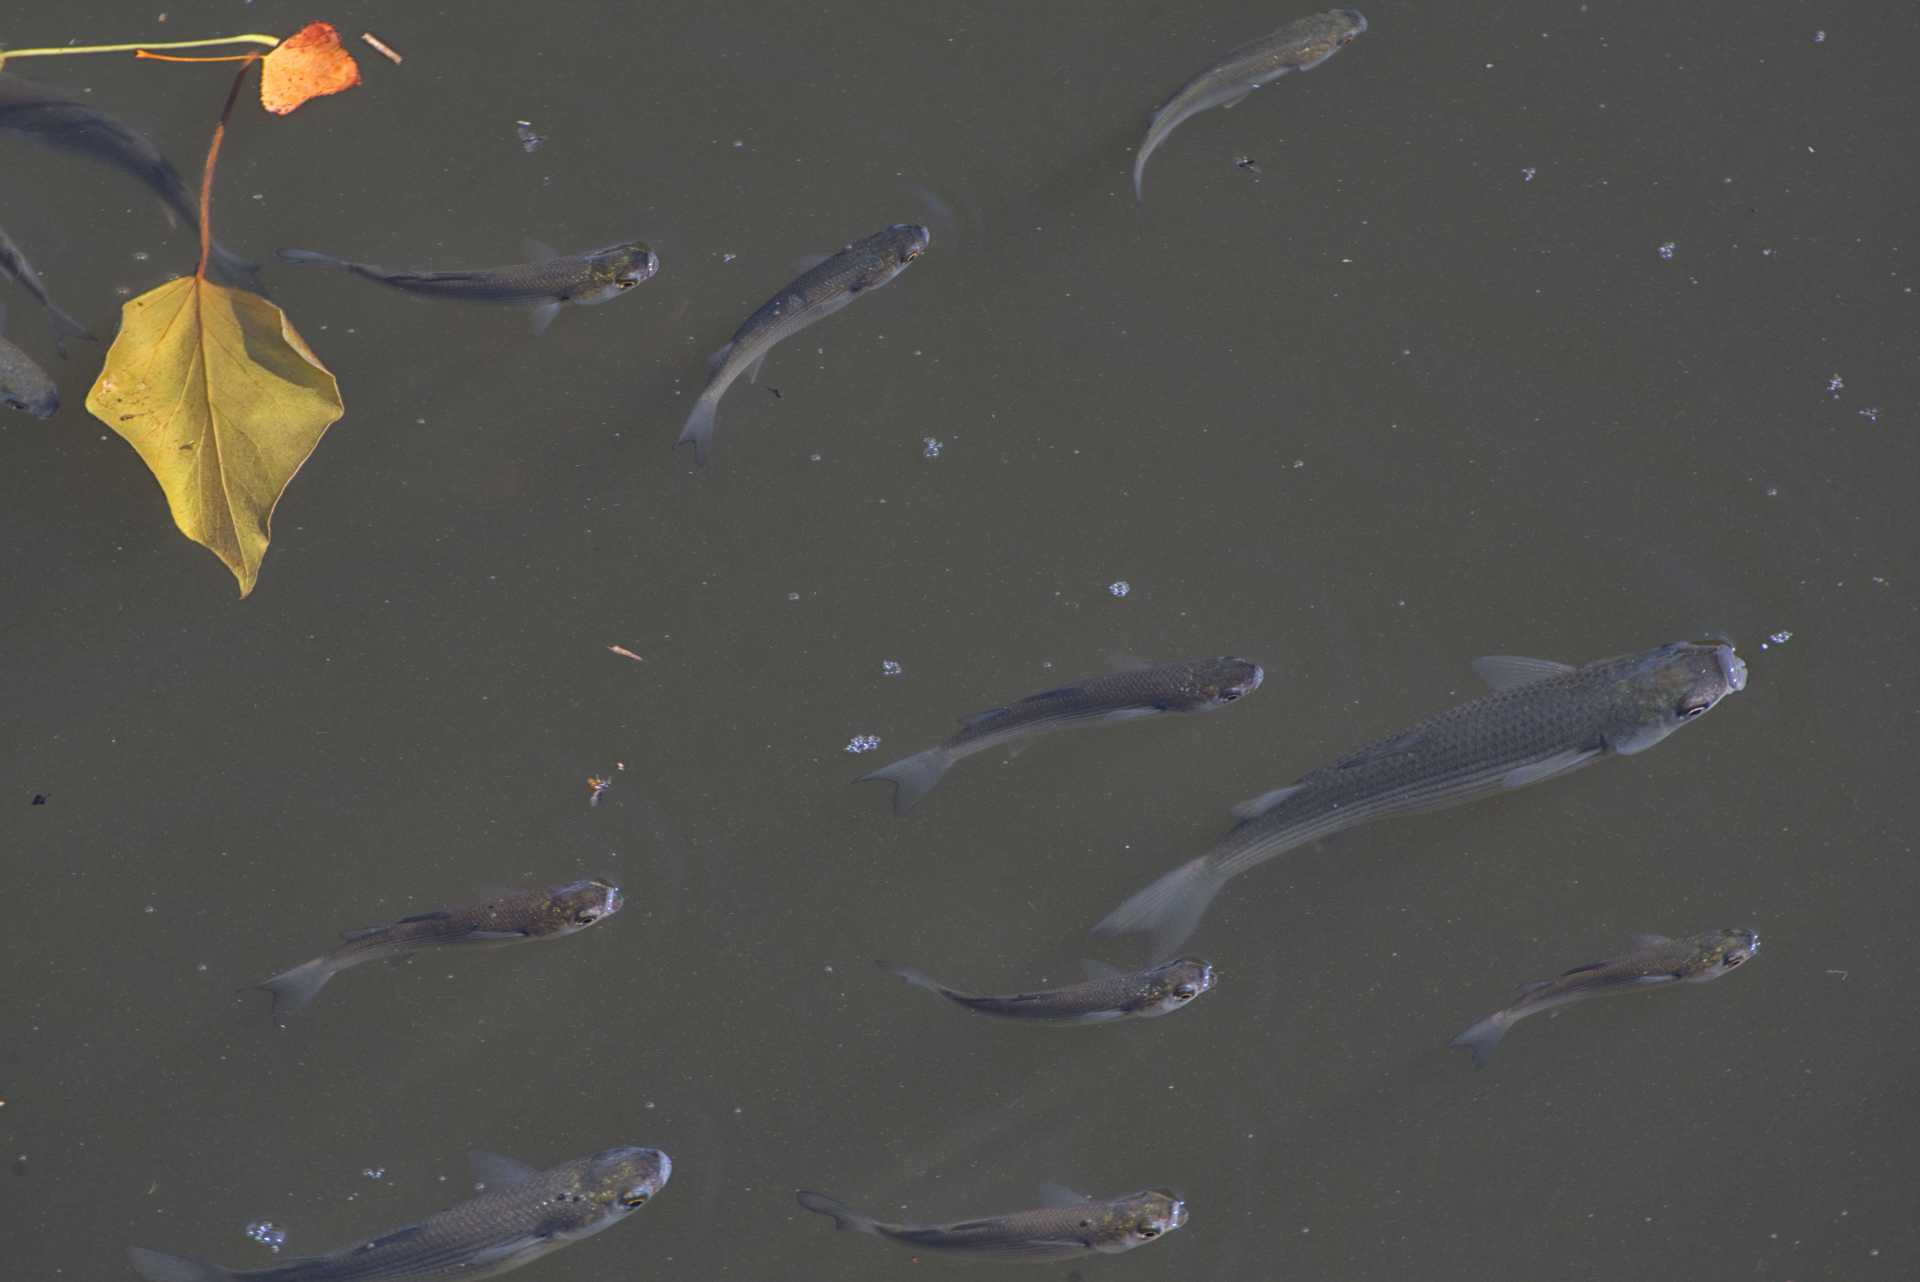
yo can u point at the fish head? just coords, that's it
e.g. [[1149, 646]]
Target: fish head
[[1666, 688], [1226, 680], [1172, 985], [614, 270], [1316, 39], [893, 249], [579, 904], [1719, 952], [619, 1181], [1139, 1218], [28, 389]]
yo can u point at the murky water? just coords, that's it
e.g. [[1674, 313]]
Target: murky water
[[1415, 383]]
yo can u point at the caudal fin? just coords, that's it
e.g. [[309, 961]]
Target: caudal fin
[[1483, 1037], [65, 327], [232, 268], [294, 989], [1169, 910], [156, 1266], [913, 777], [307, 256], [844, 1216], [699, 428], [918, 978]]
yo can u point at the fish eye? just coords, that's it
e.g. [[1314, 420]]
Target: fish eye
[[1734, 959], [633, 1198], [586, 917], [626, 282], [1147, 1230], [1185, 993], [1692, 710]]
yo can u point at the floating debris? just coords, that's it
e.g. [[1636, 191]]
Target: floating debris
[[380, 46], [1777, 638], [268, 1234], [529, 140], [1119, 587], [39, 798], [1834, 384], [1247, 163], [863, 743], [1871, 413], [888, 668], [595, 786], [930, 448], [625, 653], [1526, 175], [375, 1172], [1666, 249], [1819, 37]]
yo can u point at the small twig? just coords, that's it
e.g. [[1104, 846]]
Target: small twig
[[625, 653], [213, 154], [381, 47], [168, 57], [268, 41]]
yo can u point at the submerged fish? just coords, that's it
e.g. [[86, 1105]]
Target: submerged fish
[[509, 919], [34, 111], [1075, 1225], [523, 1215], [14, 263], [814, 295], [1140, 994], [1299, 46], [23, 384], [1195, 685], [1542, 720], [551, 282], [1654, 962]]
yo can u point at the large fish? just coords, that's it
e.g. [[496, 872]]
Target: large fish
[[14, 263], [1542, 720], [1194, 685], [551, 282], [1074, 1226], [814, 295], [523, 1215], [1299, 46], [23, 384], [36, 112], [1114, 994], [1654, 962], [509, 919]]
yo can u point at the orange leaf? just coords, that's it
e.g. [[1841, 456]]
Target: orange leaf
[[308, 64]]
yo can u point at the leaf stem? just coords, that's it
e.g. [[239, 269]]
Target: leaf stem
[[213, 154], [269, 41]]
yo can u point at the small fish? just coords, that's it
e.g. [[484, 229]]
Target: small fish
[[523, 1215], [511, 919], [1074, 1225], [23, 384], [1299, 46], [1141, 994], [1654, 961], [1542, 720], [35, 112], [549, 283], [1195, 685], [14, 263], [814, 295]]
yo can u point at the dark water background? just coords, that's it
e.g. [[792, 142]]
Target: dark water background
[[1379, 408]]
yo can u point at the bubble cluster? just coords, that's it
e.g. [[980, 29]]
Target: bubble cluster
[[930, 448], [863, 743], [890, 668], [267, 1234], [1119, 587], [1666, 249]]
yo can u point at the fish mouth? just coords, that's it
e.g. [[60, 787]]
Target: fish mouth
[[611, 905], [1177, 1214], [1732, 668]]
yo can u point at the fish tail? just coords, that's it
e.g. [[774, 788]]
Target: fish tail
[[157, 1266], [918, 978], [1139, 171], [233, 268], [844, 1216], [1483, 1037], [699, 428], [913, 777], [65, 327], [308, 256], [1168, 910], [293, 990]]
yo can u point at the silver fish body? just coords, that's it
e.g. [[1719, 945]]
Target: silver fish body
[[1195, 685], [1143, 994], [523, 1215], [1299, 46], [24, 385], [810, 297], [513, 918], [1543, 719], [1076, 1227], [1654, 962], [14, 264]]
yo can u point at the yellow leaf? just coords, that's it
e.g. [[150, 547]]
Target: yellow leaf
[[224, 401]]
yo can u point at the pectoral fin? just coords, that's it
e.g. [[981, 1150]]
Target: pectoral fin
[[1546, 768], [543, 317], [1254, 807], [753, 370]]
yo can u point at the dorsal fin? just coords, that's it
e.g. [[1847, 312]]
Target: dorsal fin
[[496, 1171], [1254, 807], [1505, 671], [973, 719]]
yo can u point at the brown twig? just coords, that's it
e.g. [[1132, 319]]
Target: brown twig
[[213, 154], [381, 46]]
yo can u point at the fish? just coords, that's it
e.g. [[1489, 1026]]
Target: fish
[[1111, 995], [509, 919], [1653, 961], [34, 111], [549, 283], [14, 263], [814, 295], [523, 1215], [1193, 685], [23, 384], [1301, 45], [1071, 1225], [1542, 720]]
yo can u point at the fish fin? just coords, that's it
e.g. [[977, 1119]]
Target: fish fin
[[3, 318], [1534, 986], [65, 327], [540, 251], [438, 914], [1055, 693], [1558, 764], [1254, 807], [1094, 968], [157, 1266], [753, 370], [807, 262], [365, 932], [1059, 1195], [543, 316], [913, 777], [1169, 909], [1483, 1037], [1127, 663], [229, 267], [973, 719], [485, 935], [1651, 941], [308, 256], [719, 357], [844, 1216], [699, 428], [1505, 671], [293, 990], [1228, 104], [918, 978], [496, 1171], [1578, 970]]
